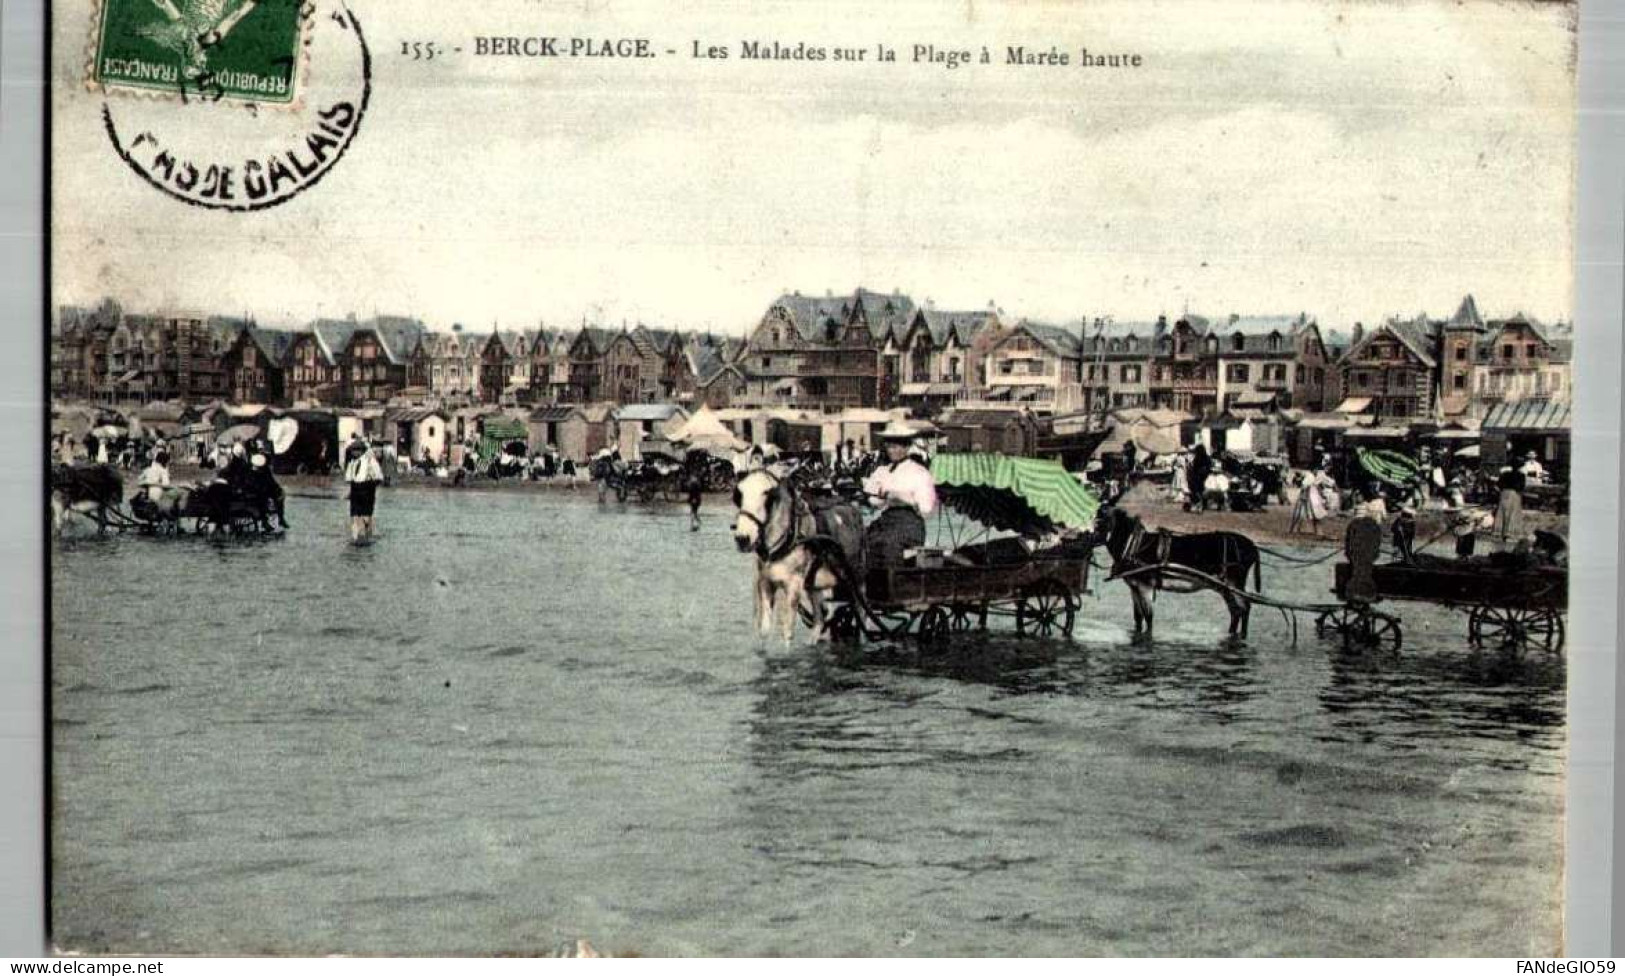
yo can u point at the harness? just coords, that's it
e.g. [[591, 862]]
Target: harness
[[792, 535], [1135, 556]]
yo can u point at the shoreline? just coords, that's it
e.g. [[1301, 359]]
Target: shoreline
[[1268, 527]]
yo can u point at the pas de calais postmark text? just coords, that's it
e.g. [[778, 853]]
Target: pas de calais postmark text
[[213, 146]]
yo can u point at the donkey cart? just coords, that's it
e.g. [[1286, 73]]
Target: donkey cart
[[1034, 577], [1509, 600], [1040, 591]]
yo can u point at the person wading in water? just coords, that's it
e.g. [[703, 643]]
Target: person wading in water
[[363, 473], [905, 487]]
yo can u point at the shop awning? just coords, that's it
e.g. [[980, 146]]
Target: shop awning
[[1542, 415], [1375, 433], [1325, 423], [1354, 405]]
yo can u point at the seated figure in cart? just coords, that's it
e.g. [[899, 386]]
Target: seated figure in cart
[[904, 488]]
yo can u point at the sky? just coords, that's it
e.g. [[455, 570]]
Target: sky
[[1348, 160]]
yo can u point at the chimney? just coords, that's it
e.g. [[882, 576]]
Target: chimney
[[1359, 333]]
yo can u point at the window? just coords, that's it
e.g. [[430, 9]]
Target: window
[[1275, 342], [1130, 374], [1116, 345], [1212, 344], [1461, 381], [1237, 373], [767, 361], [1506, 351], [1461, 353], [1006, 367], [1238, 342], [1132, 344]]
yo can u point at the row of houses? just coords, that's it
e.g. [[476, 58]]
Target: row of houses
[[865, 350]]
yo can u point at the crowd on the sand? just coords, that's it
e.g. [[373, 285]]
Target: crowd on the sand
[[1340, 487]]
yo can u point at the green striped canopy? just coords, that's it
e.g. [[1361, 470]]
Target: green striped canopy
[[498, 431], [1391, 467], [1017, 494]]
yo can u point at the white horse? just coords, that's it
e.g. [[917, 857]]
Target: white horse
[[793, 571]]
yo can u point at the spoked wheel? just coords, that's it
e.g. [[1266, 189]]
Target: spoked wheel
[[1047, 608], [936, 623], [1361, 626], [963, 618], [844, 625], [1515, 627]]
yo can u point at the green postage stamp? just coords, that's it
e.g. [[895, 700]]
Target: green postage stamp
[[242, 49]]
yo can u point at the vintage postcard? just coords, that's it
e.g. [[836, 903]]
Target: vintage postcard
[[926, 479]]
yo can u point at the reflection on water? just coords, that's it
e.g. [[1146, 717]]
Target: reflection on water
[[518, 720]]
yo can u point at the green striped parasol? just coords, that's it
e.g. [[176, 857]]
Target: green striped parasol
[[1017, 494]]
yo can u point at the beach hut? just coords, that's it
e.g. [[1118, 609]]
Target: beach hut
[[419, 429], [575, 431], [647, 424], [987, 432]]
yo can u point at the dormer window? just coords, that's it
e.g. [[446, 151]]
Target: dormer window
[[1238, 342], [1275, 342], [1132, 343], [1212, 344]]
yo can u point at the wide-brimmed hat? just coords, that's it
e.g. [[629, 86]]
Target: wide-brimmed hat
[[897, 431]]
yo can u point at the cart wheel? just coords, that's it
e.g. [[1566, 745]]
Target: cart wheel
[[1361, 627], [1045, 608], [1515, 627], [935, 625], [844, 626], [964, 618]]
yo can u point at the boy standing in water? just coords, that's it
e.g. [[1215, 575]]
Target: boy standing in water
[[363, 473]]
